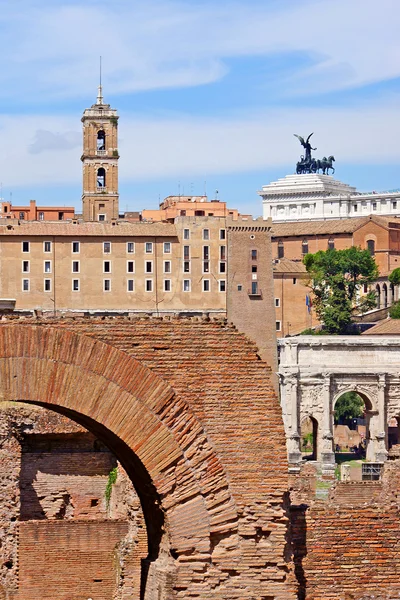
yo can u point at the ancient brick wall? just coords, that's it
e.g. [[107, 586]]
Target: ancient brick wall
[[200, 413], [347, 548], [69, 560]]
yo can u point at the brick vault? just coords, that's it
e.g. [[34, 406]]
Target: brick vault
[[188, 409]]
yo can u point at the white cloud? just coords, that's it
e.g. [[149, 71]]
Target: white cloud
[[51, 49], [187, 146]]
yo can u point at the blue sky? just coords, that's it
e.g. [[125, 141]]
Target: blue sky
[[209, 94]]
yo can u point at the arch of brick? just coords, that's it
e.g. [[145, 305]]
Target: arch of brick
[[189, 410]]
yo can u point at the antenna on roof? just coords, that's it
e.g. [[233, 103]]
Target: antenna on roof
[[100, 89]]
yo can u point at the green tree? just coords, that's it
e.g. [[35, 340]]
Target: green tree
[[348, 407], [394, 276], [394, 310], [336, 277]]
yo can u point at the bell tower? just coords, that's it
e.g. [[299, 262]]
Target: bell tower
[[100, 161]]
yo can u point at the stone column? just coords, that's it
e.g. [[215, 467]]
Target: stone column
[[327, 454], [293, 436], [381, 450]]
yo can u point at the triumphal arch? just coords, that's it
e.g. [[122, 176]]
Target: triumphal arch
[[316, 370]]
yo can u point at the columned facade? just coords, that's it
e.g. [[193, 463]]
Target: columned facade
[[316, 372]]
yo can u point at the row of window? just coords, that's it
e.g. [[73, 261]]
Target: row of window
[[40, 215], [130, 266], [331, 246], [130, 248], [130, 285], [374, 205]]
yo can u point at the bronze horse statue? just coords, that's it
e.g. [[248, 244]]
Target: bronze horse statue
[[325, 164]]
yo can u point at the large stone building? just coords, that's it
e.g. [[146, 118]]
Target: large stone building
[[291, 241], [314, 197]]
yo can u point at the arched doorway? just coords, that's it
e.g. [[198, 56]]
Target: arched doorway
[[309, 438], [385, 295], [352, 412], [394, 432]]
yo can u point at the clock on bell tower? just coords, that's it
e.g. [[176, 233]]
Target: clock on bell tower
[[100, 161]]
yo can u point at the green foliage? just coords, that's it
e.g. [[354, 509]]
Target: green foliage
[[308, 440], [336, 277], [112, 478], [115, 153], [349, 406], [394, 276], [394, 310]]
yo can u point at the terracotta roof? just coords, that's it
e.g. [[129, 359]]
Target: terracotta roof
[[284, 265], [385, 327], [333, 226], [65, 228]]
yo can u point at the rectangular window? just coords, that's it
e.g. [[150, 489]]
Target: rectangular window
[[25, 247], [186, 266], [75, 285], [394, 205], [222, 285], [278, 325], [186, 252], [277, 302], [186, 234], [167, 285], [254, 268], [240, 287], [107, 285], [106, 266], [254, 287], [25, 266], [47, 285], [47, 247], [206, 266], [75, 266], [102, 217], [206, 234], [206, 252], [254, 255], [130, 266], [186, 285], [76, 247], [222, 252], [41, 216], [25, 285], [107, 247], [281, 250], [167, 266], [374, 206], [222, 234], [22, 216], [294, 280], [206, 285], [61, 216], [130, 247], [148, 266], [47, 266], [167, 247], [149, 285], [355, 207], [130, 285], [149, 247], [222, 267]]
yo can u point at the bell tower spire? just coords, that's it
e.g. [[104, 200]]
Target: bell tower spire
[[100, 161]]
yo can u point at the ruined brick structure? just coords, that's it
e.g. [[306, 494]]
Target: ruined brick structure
[[347, 546], [188, 409]]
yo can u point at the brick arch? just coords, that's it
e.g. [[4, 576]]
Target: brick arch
[[130, 408]]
